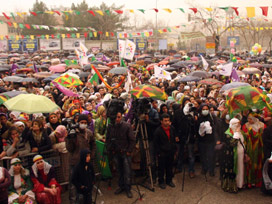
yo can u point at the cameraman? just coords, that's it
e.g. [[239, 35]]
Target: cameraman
[[120, 142], [79, 138]]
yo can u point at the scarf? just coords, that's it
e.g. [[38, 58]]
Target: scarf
[[256, 126], [37, 137], [46, 168]]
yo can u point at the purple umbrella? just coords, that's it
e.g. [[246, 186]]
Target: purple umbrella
[[64, 90]]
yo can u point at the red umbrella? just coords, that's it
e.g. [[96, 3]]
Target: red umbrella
[[57, 68]]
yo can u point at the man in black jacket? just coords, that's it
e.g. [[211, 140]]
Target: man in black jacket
[[164, 140], [120, 142]]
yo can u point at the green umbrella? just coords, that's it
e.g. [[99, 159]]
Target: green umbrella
[[30, 103]]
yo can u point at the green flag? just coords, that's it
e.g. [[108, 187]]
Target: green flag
[[232, 58], [94, 78], [93, 59], [122, 64], [102, 160], [70, 62]]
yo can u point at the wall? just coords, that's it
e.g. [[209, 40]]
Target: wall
[[106, 45]]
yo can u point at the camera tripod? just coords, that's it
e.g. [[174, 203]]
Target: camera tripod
[[143, 136]]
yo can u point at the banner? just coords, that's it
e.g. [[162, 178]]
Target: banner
[[102, 160], [163, 44], [3, 45], [129, 50], [30, 45], [50, 44], [141, 44], [72, 43], [15, 45], [234, 39], [161, 74]]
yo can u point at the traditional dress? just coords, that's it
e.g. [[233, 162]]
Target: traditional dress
[[254, 147], [20, 184], [45, 178]]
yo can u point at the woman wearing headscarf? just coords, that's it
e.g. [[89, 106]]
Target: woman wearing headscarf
[[100, 124], [83, 176], [58, 143], [53, 123], [206, 132], [253, 131], [91, 121], [232, 166], [46, 188], [20, 190]]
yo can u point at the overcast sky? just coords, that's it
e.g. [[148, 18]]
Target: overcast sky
[[175, 18]]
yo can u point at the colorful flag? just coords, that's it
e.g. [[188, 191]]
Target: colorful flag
[[122, 64], [102, 160], [204, 62], [129, 50], [94, 78], [232, 58]]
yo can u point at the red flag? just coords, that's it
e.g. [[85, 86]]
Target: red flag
[[264, 10], [6, 16], [150, 33], [119, 11], [138, 33], [112, 34], [9, 23], [27, 26], [91, 12], [33, 13], [164, 30], [156, 10], [100, 32], [22, 36], [194, 10], [85, 35], [52, 36], [57, 12], [236, 10], [7, 37], [68, 35], [125, 35]]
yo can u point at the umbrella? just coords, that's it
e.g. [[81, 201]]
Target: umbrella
[[64, 90], [200, 74], [211, 81], [98, 62], [149, 91], [151, 66], [148, 61], [251, 71], [74, 66], [233, 85], [42, 74], [2, 69], [256, 65], [179, 65], [3, 98], [11, 94], [189, 78], [31, 103], [33, 80], [245, 98], [173, 61], [118, 70], [57, 68], [177, 55], [113, 63], [84, 74], [171, 69], [68, 81], [194, 59], [51, 78], [13, 79]]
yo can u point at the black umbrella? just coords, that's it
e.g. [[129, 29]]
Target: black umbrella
[[4, 69], [173, 61], [98, 62], [177, 55], [84, 74], [179, 64], [200, 74], [189, 78], [13, 78], [51, 78], [13, 93], [171, 69], [33, 80]]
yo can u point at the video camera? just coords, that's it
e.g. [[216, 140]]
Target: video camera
[[113, 106], [71, 127], [141, 107]]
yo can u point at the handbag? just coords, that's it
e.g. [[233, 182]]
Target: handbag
[[246, 157]]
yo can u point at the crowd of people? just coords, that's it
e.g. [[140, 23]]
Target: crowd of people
[[193, 122]]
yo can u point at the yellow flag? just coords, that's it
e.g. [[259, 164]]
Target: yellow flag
[[47, 37], [19, 14], [49, 12], [224, 27], [168, 10], [107, 34], [24, 13], [15, 25], [100, 12], [95, 34], [17, 37], [209, 9], [131, 10], [160, 31], [228, 29], [270, 28], [261, 28], [257, 28], [266, 28], [32, 37], [250, 12], [232, 28], [1, 37], [147, 34], [78, 35], [63, 36]]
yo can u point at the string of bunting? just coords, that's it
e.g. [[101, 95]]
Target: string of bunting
[[251, 11]]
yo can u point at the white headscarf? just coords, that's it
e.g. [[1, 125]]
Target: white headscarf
[[46, 168], [256, 125], [234, 124]]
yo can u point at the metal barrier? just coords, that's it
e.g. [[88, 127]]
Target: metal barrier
[[59, 161]]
